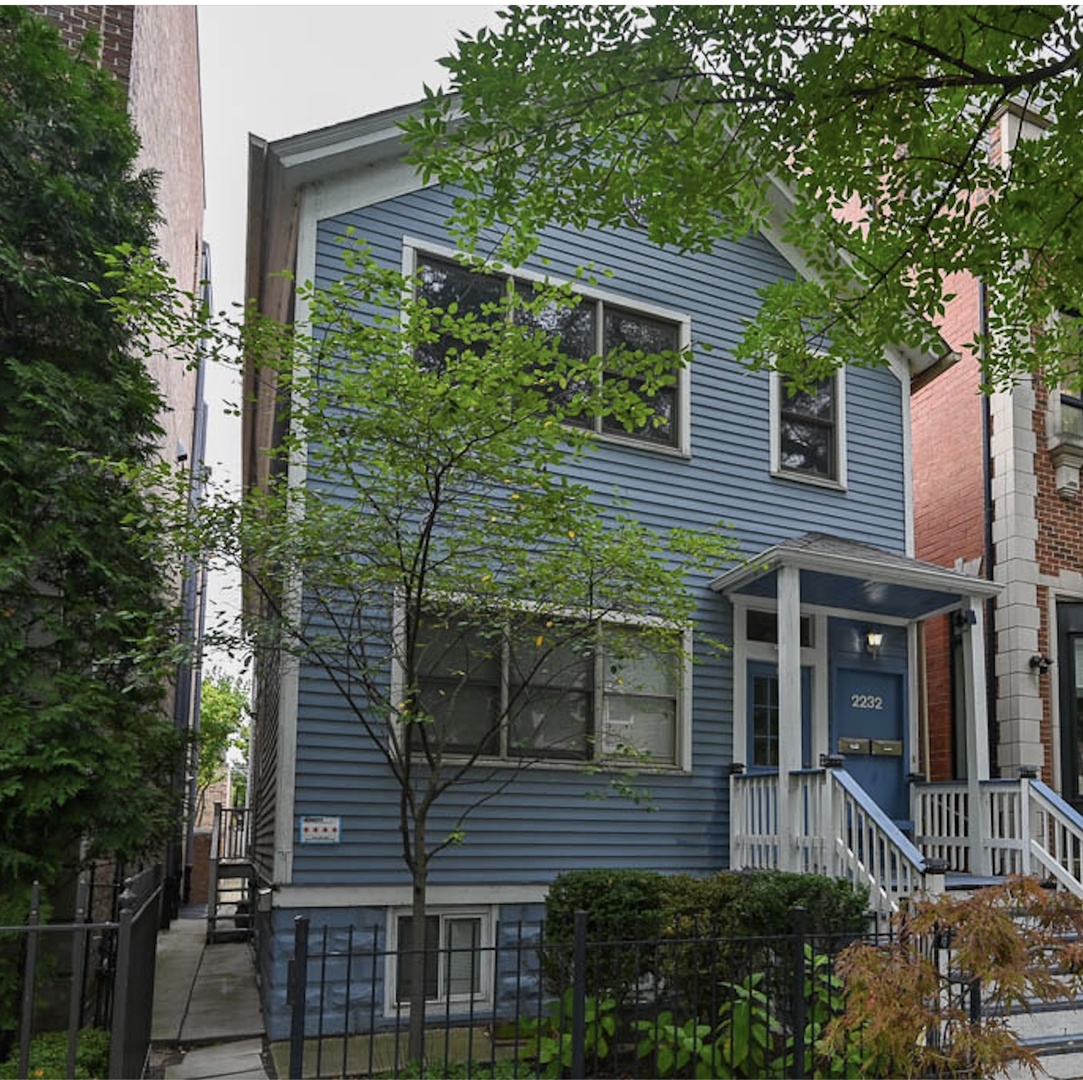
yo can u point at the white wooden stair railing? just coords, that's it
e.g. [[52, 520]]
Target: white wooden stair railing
[[1055, 831], [870, 849], [836, 828], [1029, 829]]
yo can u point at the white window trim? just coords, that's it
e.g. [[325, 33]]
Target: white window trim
[[413, 248], [483, 999], [682, 740], [775, 397]]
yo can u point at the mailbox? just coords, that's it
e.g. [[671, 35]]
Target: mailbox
[[887, 748], [853, 746]]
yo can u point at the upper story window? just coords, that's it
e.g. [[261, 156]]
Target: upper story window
[[524, 695], [1064, 440], [598, 325], [808, 431]]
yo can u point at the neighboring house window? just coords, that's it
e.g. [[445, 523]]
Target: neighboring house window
[[458, 947], [596, 326], [520, 696], [808, 430]]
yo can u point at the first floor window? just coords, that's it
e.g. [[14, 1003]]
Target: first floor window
[[549, 691], [456, 960]]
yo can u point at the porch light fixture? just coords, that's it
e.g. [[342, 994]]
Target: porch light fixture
[[1040, 663], [873, 640]]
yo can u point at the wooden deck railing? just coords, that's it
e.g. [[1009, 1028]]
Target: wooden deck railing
[[836, 829]]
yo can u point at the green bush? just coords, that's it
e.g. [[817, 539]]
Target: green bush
[[654, 926], [760, 903], [49, 1056], [621, 906]]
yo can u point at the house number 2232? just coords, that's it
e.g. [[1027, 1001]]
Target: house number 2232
[[866, 701]]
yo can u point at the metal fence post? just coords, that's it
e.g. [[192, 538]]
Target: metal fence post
[[579, 995], [800, 1017], [78, 959], [27, 1021], [119, 1035], [298, 987]]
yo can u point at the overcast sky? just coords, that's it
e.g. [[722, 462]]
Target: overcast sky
[[281, 70]]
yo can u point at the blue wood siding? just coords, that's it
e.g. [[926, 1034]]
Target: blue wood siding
[[546, 822]]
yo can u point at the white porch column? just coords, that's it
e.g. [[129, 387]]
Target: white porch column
[[977, 732], [789, 708]]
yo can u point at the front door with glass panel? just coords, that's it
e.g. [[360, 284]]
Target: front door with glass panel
[[1070, 674], [764, 729]]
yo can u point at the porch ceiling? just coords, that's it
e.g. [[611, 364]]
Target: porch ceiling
[[851, 576]]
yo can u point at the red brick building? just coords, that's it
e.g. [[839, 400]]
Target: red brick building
[[996, 490], [154, 53]]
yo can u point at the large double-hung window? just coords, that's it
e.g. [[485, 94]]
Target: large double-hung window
[[598, 325], [541, 691]]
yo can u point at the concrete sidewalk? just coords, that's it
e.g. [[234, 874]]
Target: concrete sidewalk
[[206, 1005]]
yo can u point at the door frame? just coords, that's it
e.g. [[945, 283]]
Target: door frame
[[1069, 625], [813, 657]]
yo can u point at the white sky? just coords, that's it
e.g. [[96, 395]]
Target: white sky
[[281, 70]]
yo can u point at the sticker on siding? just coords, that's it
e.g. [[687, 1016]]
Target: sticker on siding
[[320, 830]]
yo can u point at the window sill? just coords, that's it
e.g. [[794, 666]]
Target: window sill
[[615, 762], [631, 443], [811, 481]]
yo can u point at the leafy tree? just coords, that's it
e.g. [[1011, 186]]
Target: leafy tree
[[437, 534], [223, 724], [694, 123], [86, 750]]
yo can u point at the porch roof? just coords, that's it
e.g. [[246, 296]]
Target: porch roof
[[851, 576]]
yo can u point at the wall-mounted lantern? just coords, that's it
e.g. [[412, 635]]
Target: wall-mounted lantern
[[874, 641]]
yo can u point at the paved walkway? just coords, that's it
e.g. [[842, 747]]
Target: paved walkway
[[206, 1005]]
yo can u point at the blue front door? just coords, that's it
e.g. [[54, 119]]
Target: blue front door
[[763, 716], [868, 728]]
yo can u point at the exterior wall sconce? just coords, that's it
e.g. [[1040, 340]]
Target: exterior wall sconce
[[874, 639], [1040, 663]]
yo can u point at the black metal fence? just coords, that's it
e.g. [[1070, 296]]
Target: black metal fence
[[672, 1005], [89, 974]]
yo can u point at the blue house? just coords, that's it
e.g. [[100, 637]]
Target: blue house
[[823, 619]]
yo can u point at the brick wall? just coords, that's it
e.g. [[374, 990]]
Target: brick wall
[[113, 23], [154, 52], [201, 867], [949, 501]]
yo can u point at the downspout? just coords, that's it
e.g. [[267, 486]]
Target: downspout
[[988, 552]]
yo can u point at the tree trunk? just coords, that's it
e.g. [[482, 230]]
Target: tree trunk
[[418, 954]]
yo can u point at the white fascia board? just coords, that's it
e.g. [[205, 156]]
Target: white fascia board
[[917, 577]]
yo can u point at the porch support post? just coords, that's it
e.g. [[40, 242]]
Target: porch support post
[[977, 733], [789, 710]]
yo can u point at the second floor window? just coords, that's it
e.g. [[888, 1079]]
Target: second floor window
[[596, 326], [809, 431]]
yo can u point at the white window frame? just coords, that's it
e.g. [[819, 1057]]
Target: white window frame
[[413, 249], [776, 396], [487, 916], [682, 736]]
